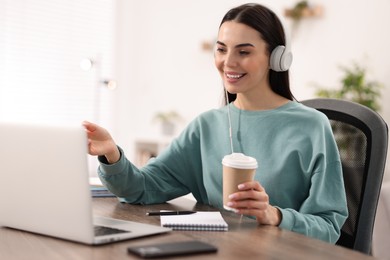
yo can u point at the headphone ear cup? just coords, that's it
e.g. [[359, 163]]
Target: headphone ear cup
[[280, 59]]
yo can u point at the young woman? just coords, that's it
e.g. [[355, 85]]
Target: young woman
[[298, 185]]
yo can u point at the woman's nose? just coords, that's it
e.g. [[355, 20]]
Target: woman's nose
[[230, 60]]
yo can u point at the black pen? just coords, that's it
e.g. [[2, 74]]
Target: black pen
[[162, 213]]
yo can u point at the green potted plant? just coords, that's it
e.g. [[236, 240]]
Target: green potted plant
[[168, 121], [303, 9], [354, 87], [297, 12]]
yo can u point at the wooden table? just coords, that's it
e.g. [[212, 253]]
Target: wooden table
[[244, 240]]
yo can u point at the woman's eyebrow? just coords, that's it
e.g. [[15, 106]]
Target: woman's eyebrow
[[238, 45]]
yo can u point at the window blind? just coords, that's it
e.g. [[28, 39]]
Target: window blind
[[41, 46]]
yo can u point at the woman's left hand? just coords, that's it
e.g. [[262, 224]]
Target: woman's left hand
[[253, 200]]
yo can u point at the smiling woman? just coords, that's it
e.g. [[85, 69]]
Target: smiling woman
[[42, 44], [298, 185]]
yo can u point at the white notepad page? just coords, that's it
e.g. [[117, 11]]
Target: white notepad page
[[201, 220]]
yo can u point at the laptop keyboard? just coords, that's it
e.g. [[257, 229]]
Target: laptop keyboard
[[104, 231]]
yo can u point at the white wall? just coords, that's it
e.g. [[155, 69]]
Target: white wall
[[162, 65]]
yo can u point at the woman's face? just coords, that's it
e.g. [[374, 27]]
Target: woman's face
[[242, 59]]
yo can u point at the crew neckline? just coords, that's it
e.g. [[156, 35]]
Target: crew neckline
[[288, 105]]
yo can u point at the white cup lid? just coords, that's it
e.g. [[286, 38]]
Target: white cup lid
[[239, 161]]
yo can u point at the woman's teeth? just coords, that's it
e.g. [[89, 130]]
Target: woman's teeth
[[234, 76]]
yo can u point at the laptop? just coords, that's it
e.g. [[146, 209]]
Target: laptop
[[45, 186]]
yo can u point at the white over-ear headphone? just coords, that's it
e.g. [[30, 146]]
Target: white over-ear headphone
[[280, 59]]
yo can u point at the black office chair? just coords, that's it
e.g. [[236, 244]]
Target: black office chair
[[361, 136]]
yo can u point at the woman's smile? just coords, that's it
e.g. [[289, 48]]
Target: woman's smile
[[234, 76]]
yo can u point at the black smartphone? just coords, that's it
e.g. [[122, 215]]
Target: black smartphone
[[172, 249]]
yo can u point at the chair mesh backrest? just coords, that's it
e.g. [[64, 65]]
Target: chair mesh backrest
[[362, 138], [352, 144]]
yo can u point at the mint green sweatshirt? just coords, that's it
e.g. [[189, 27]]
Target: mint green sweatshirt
[[299, 166]]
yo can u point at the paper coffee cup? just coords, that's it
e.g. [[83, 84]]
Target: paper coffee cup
[[237, 168]]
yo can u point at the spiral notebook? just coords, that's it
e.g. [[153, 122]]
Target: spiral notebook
[[201, 221]]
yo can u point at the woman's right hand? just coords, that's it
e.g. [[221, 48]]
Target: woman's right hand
[[101, 143]]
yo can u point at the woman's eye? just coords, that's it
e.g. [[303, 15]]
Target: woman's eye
[[242, 52], [221, 50]]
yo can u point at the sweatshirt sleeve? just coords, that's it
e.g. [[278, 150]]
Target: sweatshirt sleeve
[[175, 172], [324, 212], [139, 185]]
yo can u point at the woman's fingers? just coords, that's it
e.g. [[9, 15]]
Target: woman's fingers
[[251, 196], [252, 185]]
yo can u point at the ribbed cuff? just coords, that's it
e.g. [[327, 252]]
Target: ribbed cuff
[[288, 219]]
